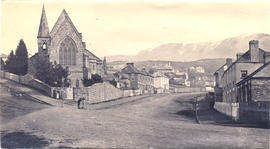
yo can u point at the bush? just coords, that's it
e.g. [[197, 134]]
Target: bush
[[113, 82], [95, 78]]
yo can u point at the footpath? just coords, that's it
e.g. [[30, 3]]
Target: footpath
[[22, 90], [35, 95]]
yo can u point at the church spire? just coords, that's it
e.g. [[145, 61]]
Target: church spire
[[43, 30]]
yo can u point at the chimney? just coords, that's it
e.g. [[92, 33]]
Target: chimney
[[267, 57], [238, 55], [143, 69], [131, 64], [228, 62], [254, 50]]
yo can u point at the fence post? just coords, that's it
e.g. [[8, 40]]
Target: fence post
[[269, 120], [196, 106]]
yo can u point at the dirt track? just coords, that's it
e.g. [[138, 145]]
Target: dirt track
[[160, 121]]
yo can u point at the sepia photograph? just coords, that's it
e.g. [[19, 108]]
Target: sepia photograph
[[153, 74]]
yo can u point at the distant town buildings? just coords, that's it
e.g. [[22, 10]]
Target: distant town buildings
[[197, 69], [131, 78], [163, 68]]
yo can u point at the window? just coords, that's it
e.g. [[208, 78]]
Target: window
[[44, 46], [244, 73], [67, 52]]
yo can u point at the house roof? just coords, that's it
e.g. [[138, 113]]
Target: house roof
[[252, 75], [130, 69], [244, 58], [219, 68]]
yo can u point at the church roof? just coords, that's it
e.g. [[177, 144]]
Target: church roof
[[43, 30], [87, 52], [63, 16]]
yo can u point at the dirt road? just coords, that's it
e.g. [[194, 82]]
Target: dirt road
[[159, 121]]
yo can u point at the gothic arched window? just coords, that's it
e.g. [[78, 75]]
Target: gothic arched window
[[67, 52]]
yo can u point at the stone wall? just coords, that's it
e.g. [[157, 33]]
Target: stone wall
[[103, 91], [41, 86], [260, 90], [64, 92], [80, 92], [29, 81], [12, 77], [26, 79], [129, 93], [255, 112], [229, 109], [187, 89]]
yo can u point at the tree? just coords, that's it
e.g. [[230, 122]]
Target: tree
[[2, 65], [18, 63], [52, 74], [11, 63], [95, 78], [21, 56]]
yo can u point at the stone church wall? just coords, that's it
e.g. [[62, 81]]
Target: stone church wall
[[66, 30]]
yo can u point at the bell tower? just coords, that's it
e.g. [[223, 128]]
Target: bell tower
[[43, 35]]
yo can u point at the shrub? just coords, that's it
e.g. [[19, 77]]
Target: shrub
[[95, 78]]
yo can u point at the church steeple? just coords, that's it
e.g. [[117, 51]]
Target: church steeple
[[43, 30], [43, 35]]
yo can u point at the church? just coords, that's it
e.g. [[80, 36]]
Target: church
[[64, 45]]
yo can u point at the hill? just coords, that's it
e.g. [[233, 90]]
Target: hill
[[195, 51]]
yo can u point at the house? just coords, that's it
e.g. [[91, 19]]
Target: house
[[138, 79], [256, 86], [197, 69], [167, 68], [242, 87], [161, 83], [131, 73], [231, 73]]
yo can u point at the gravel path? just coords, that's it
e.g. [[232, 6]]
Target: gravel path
[[138, 122]]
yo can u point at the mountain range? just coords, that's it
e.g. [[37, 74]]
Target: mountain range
[[195, 51]]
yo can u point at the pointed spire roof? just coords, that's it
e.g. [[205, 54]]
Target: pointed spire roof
[[62, 18], [43, 30]]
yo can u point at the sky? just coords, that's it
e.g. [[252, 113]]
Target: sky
[[113, 27]]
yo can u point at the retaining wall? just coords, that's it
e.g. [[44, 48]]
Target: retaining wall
[[229, 109], [187, 89], [255, 112]]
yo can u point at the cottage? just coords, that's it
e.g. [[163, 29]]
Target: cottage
[[256, 86]]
